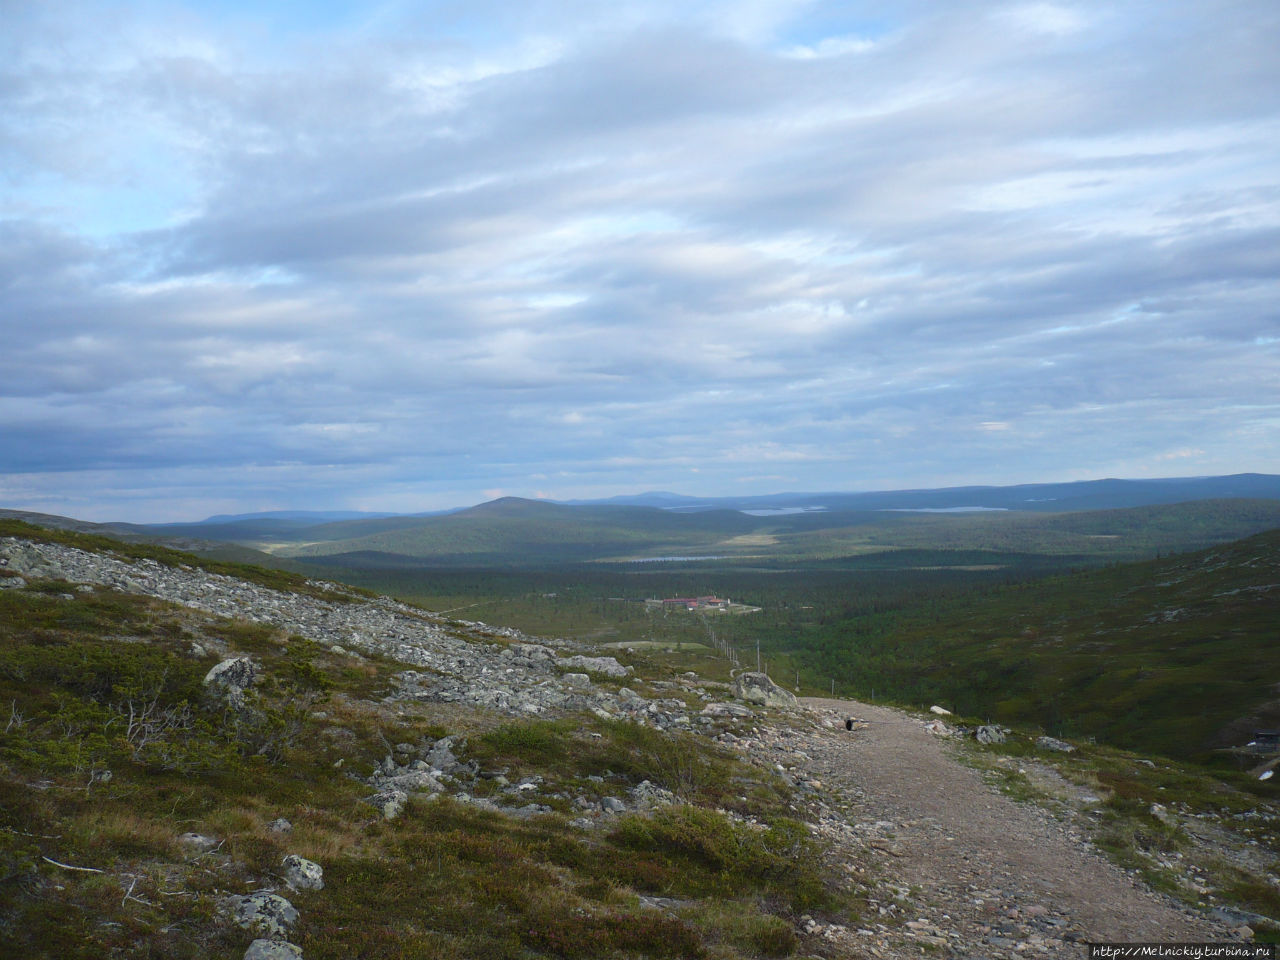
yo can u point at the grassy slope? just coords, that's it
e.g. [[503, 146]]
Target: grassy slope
[[1174, 656], [443, 880]]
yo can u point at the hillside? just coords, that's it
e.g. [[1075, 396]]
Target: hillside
[[200, 764], [526, 531], [532, 533], [1108, 494], [1176, 656]]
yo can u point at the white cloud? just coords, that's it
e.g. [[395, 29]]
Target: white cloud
[[419, 260]]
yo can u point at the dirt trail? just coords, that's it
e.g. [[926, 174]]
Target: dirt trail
[[991, 877]]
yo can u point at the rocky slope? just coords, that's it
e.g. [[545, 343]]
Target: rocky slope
[[444, 721]]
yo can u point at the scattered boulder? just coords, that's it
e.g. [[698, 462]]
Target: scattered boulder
[[940, 711], [441, 756], [231, 678], [280, 825], [727, 710], [579, 680], [938, 728], [12, 583], [758, 688], [1233, 917], [389, 803], [646, 796], [607, 666], [1050, 743], [302, 874], [273, 950], [410, 781], [988, 733], [198, 842], [263, 912]]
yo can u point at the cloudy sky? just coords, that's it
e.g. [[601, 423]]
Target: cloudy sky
[[405, 256]]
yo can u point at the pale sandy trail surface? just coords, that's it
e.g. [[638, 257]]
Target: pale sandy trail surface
[[990, 877]]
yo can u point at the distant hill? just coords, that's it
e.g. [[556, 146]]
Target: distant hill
[[1175, 656], [513, 531], [1108, 494]]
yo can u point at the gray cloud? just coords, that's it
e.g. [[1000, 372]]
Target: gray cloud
[[403, 259]]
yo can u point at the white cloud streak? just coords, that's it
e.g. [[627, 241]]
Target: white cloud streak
[[402, 259]]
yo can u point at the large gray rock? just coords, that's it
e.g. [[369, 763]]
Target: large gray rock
[[647, 796], [1049, 743], [302, 874], [758, 688], [389, 803], [727, 710], [441, 756], [606, 666], [410, 781], [989, 733], [273, 950], [262, 912], [231, 678], [198, 842]]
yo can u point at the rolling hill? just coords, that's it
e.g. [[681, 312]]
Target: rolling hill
[[531, 533]]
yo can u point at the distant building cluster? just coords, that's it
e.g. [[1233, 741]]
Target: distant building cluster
[[697, 603]]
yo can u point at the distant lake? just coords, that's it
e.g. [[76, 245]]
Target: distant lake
[[672, 559], [781, 511], [941, 509]]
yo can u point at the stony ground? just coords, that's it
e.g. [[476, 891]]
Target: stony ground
[[964, 869], [955, 867]]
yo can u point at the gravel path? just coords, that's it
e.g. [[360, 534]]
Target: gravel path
[[990, 877]]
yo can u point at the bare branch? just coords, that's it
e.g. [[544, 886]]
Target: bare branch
[[67, 866]]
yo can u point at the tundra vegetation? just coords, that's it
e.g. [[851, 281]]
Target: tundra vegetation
[[115, 754]]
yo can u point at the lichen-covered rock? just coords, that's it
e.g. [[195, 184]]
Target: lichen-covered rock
[[389, 803], [1050, 743], [409, 781], [231, 678], [198, 842], [647, 796], [280, 825], [606, 666], [441, 756], [302, 874], [727, 710], [758, 688], [988, 733], [267, 913], [273, 950]]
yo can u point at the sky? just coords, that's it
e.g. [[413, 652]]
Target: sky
[[407, 256]]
